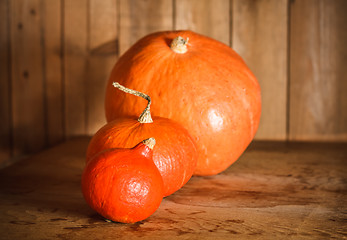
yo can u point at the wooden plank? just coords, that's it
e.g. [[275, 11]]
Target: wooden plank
[[139, 18], [209, 18], [259, 35], [27, 77], [318, 85], [5, 83], [103, 52], [275, 191], [52, 30], [75, 66]]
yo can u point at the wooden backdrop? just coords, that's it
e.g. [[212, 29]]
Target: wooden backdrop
[[56, 56]]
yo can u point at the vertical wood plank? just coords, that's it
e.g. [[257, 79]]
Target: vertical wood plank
[[210, 18], [103, 52], [5, 77], [75, 59], [259, 35], [51, 25], [27, 81], [139, 18], [318, 86]]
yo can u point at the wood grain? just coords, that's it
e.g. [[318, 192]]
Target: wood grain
[[103, 53], [55, 57], [5, 83], [259, 35], [52, 41], [75, 66], [139, 18], [209, 18], [275, 191], [27, 77], [318, 85]]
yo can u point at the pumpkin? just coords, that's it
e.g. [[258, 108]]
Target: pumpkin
[[199, 82], [175, 154], [123, 185]]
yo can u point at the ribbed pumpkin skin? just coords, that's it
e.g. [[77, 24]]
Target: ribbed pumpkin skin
[[123, 185], [175, 153], [209, 90]]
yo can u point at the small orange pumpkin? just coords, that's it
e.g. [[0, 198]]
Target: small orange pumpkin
[[201, 83], [175, 154], [123, 185]]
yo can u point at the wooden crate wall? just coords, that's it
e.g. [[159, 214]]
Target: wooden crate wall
[[56, 56]]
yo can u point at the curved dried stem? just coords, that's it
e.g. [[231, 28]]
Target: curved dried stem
[[145, 116]]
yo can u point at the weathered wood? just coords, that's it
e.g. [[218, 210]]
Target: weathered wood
[[75, 66], [318, 86], [210, 18], [28, 114], [56, 55], [275, 191], [52, 40], [139, 18], [103, 53], [259, 35], [5, 83]]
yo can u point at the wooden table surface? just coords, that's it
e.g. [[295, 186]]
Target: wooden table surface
[[275, 191]]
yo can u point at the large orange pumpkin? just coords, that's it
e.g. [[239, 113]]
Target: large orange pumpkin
[[201, 83]]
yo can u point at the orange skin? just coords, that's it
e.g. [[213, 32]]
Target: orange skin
[[175, 153], [123, 185], [209, 90]]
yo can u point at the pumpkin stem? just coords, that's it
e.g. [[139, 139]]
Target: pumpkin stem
[[150, 142], [145, 116], [179, 45]]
